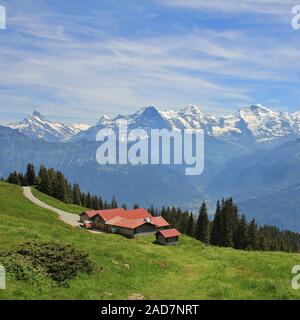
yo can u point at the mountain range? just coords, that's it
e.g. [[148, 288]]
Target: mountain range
[[251, 124], [38, 127], [252, 155]]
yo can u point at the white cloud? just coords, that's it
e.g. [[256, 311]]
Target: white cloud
[[102, 74], [273, 7]]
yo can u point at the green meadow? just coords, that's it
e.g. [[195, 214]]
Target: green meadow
[[124, 267]]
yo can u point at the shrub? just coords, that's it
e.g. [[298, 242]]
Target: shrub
[[57, 261], [22, 269]]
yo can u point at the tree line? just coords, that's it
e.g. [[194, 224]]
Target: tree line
[[54, 184], [228, 228]]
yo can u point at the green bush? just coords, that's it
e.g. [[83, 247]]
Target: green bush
[[22, 269], [53, 260]]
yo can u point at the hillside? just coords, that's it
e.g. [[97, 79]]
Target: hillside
[[130, 266], [72, 208]]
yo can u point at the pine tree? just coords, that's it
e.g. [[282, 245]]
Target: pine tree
[[202, 224], [14, 178], [114, 203], [76, 195], [61, 188], [217, 229], [89, 203], [253, 236], [230, 221], [241, 239], [83, 199], [30, 174], [191, 226]]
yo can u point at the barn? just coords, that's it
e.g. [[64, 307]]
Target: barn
[[168, 236], [134, 222]]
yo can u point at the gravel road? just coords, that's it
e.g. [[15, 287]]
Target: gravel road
[[67, 217]]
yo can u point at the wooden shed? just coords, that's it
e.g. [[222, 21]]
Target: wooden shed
[[168, 236]]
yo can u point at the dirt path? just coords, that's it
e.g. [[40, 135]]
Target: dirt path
[[67, 217]]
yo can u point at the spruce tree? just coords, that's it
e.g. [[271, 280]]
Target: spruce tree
[[217, 231], [230, 221], [89, 203], [191, 226], [241, 239], [61, 188], [114, 203], [30, 174], [14, 178], [76, 195], [202, 224], [253, 236]]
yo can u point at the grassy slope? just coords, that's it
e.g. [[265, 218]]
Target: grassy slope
[[182, 272], [56, 203]]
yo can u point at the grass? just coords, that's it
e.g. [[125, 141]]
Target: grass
[[72, 208], [137, 266]]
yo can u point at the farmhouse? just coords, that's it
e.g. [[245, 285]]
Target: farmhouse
[[168, 236], [136, 222]]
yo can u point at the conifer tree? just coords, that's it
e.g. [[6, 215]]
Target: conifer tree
[[13, 178], [30, 174], [202, 224], [191, 226], [253, 236], [241, 240], [217, 230], [61, 188], [89, 203], [114, 203], [229, 212], [76, 195]]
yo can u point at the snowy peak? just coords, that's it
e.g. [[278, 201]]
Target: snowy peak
[[266, 124], [254, 123], [192, 110], [37, 115], [149, 111], [37, 126]]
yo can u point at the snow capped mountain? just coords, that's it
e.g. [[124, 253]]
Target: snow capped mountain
[[38, 127], [146, 118], [254, 123], [266, 124]]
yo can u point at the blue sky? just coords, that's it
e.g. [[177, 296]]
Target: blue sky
[[77, 60]]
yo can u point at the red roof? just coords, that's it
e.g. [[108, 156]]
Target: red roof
[[169, 233], [134, 214], [138, 214], [159, 221], [131, 219], [90, 214], [106, 214], [126, 223]]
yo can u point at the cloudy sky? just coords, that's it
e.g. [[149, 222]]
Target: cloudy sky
[[77, 60]]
